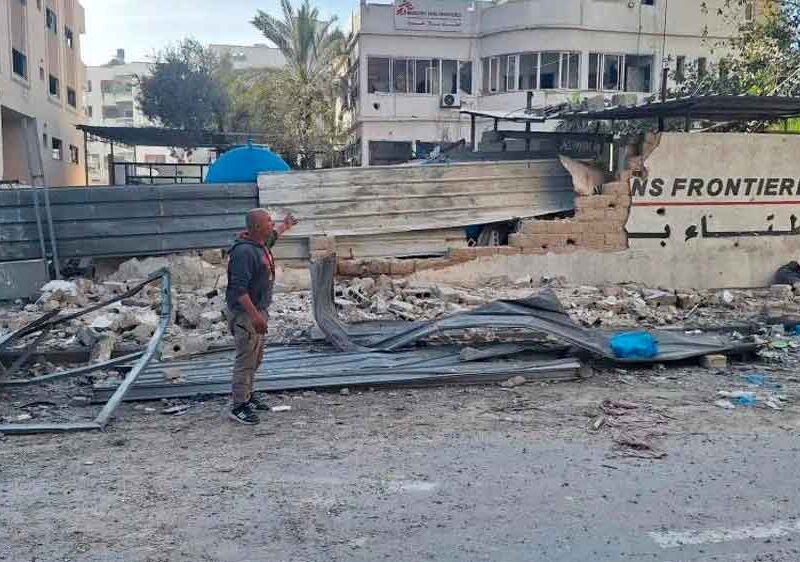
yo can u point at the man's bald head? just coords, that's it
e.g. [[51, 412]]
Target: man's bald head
[[259, 224]]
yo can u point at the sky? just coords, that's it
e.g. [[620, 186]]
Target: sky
[[141, 27]]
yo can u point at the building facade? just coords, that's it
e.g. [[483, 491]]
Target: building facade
[[415, 63], [110, 101], [41, 87]]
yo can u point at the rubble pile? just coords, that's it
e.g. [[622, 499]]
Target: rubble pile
[[199, 324]]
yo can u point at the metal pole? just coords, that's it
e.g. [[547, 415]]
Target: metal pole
[[86, 156], [111, 171], [53, 242], [472, 132], [39, 229], [529, 107], [664, 76]]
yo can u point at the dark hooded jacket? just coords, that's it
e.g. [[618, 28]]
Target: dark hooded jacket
[[251, 270]]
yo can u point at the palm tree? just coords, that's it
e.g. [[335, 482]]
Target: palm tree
[[309, 43]]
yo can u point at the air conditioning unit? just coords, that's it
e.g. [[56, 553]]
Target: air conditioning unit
[[451, 100]]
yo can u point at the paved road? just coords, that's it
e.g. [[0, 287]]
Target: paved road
[[491, 496]]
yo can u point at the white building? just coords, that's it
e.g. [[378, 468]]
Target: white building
[[110, 101], [250, 56], [407, 56], [41, 85]]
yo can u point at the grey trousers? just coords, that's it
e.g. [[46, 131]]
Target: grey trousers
[[249, 352]]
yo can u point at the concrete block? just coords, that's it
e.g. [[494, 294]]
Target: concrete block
[[322, 243], [401, 267], [616, 188], [781, 292], [461, 255], [618, 216], [520, 240], [22, 279], [351, 268], [714, 362], [617, 241], [379, 267], [485, 251], [507, 251]]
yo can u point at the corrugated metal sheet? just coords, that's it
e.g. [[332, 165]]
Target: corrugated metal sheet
[[126, 221], [363, 201]]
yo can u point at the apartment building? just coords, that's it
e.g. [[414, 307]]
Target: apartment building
[[415, 63], [110, 101], [245, 57], [41, 86]]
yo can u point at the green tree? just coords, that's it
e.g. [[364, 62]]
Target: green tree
[[303, 94], [185, 89]]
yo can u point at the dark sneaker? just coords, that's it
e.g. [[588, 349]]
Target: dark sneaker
[[256, 403], [243, 414]]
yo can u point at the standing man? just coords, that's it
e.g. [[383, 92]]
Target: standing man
[[251, 278]]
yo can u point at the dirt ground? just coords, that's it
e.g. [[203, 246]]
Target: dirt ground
[[391, 474]]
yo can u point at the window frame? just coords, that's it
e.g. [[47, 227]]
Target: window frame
[[57, 152], [54, 80], [15, 57]]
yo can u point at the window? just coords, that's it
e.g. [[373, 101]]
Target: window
[[465, 77], [638, 73], [702, 66], [57, 149], [528, 71], [449, 76], [41, 73], [39, 5], [89, 111], [629, 73], [55, 88], [494, 74], [19, 63], [71, 99], [426, 76], [648, 2], [680, 69], [548, 71], [89, 86], [378, 72], [51, 21], [403, 75], [570, 70], [510, 83], [69, 38], [74, 155]]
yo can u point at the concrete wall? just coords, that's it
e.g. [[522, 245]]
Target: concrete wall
[[29, 96]]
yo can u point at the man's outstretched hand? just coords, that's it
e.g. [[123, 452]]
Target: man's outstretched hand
[[288, 222]]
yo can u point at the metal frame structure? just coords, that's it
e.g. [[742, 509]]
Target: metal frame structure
[[45, 323]]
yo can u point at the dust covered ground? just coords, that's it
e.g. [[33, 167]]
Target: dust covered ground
[[660, 464], [455, 473]]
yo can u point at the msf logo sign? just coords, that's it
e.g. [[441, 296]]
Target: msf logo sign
[[404, 8]]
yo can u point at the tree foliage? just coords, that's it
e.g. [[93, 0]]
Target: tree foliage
[[295, 106], [185, 88]]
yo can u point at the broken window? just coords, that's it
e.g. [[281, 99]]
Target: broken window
[[74, 154], [69, 37], [378, 72]]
